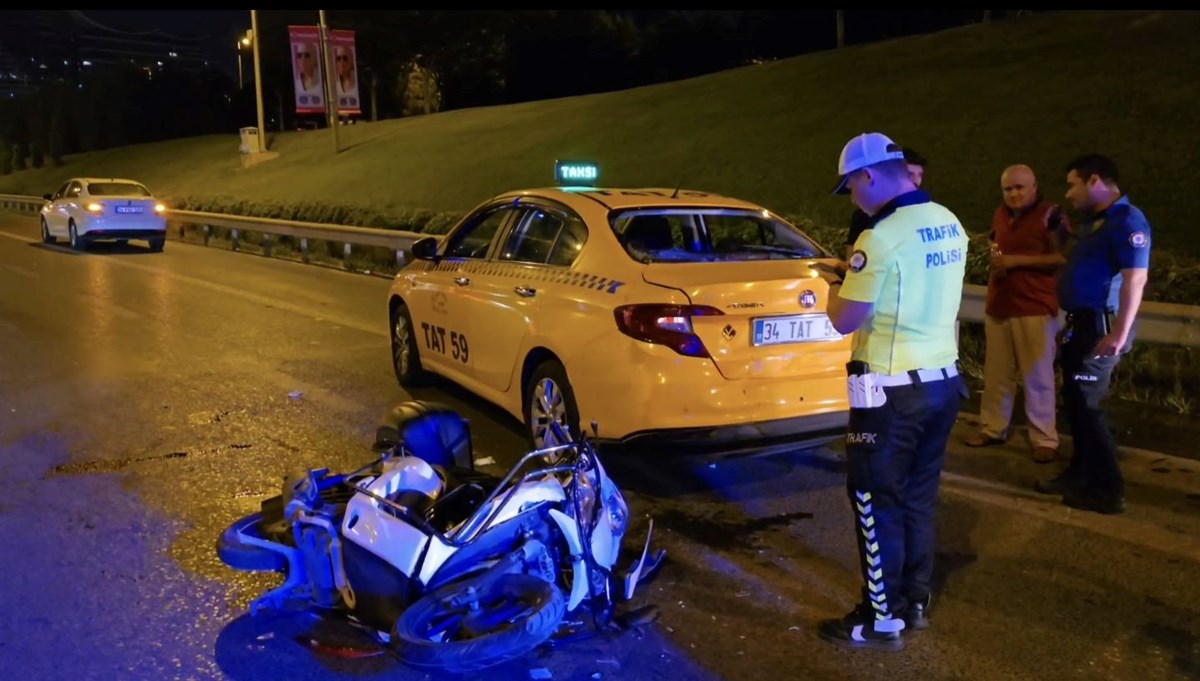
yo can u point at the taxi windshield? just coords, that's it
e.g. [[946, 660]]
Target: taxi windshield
[[710, 235]]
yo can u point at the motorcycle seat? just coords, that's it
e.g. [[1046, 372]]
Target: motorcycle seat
[[433, 432]]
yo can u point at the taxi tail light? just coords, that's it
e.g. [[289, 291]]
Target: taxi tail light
[[158, 208], [94, 207], [669, 325]]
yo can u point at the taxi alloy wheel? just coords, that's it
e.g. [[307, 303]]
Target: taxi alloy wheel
[[405, 359], [548, 399], [47, 237]]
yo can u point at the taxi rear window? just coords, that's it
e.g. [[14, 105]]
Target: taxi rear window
[[710, 235]]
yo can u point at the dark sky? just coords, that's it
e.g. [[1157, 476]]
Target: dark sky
[[221, 26]]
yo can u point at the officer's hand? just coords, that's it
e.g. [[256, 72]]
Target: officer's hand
[[1109, 346], [999, 263], [832, 274]]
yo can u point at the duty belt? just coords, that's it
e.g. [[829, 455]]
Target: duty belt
[[914, 376], [1097, 319]]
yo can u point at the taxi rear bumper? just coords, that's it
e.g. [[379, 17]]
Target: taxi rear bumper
[[754, 438]]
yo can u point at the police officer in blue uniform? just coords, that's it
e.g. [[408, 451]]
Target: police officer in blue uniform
[[900, 297], [1100, 288]]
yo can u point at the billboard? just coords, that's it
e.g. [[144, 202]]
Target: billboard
[[345, 70], [307, 74], [305, 44]]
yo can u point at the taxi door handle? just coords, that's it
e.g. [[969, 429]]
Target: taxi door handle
[[525, 291], [462, 281]]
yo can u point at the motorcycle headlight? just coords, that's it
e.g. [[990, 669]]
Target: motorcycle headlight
[[586, 498], [618, 513]]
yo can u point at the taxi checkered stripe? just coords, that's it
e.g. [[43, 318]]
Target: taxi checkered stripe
[[873, 569], [594, 282]]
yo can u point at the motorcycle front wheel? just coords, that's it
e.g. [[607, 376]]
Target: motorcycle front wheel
[[461, 628]]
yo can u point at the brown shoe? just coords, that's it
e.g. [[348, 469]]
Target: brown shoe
[[1044, 454], [982, 439]]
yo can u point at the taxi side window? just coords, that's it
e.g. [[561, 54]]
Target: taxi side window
[[473, 241], [62, 191], [570, 242], [532, 238], [544, 237], [74, 190]]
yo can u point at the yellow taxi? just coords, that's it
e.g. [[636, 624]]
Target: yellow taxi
[[666, 317]]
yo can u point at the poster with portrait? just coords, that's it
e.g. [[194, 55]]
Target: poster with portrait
[[305, 44], [345, 70]]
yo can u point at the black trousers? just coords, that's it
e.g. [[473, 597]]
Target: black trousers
[[1086, 380], [894, 456]]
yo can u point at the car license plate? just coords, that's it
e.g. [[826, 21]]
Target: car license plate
[[800, 328], [129, 209]]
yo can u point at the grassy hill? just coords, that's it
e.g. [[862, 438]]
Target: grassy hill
[[973, 100]]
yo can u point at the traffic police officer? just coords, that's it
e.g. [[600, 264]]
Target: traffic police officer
[[1101, 289], [901, 296]]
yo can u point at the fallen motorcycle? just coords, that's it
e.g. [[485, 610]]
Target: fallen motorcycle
[[450, 568]]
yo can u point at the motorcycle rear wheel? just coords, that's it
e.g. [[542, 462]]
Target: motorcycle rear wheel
[[457, 631]]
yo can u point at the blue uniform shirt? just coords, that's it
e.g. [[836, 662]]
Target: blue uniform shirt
[[1115, 239]]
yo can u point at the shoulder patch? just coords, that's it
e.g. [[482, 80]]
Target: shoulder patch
[[1137, 239], [858, 260]]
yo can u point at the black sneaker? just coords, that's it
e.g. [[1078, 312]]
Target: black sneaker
[[857, 630], [1059, 485], [915, 617], [1108, 504]]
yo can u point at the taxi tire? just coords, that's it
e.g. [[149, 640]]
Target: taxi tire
[[554, 371], [413, 376]]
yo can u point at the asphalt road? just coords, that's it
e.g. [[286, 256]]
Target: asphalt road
[[147, 400]]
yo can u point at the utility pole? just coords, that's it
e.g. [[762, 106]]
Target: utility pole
[[331, 107], [262, 133]]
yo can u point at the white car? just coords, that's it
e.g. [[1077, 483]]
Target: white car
[[87, 209]]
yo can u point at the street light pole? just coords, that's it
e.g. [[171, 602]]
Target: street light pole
[[242, 42], [330, 93], [254, 34]]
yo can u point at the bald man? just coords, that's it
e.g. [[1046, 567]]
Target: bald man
[[1021, 319]]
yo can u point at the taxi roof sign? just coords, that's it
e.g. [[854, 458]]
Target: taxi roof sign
[[576, 173]]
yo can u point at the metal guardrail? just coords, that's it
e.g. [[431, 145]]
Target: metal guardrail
[[391, 239], [1167, 323], [20, 204]]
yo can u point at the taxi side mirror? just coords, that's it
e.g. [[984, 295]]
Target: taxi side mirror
[[425, 248], [47, 197]]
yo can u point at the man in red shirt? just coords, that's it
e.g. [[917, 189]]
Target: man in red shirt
[[1021, 317]]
